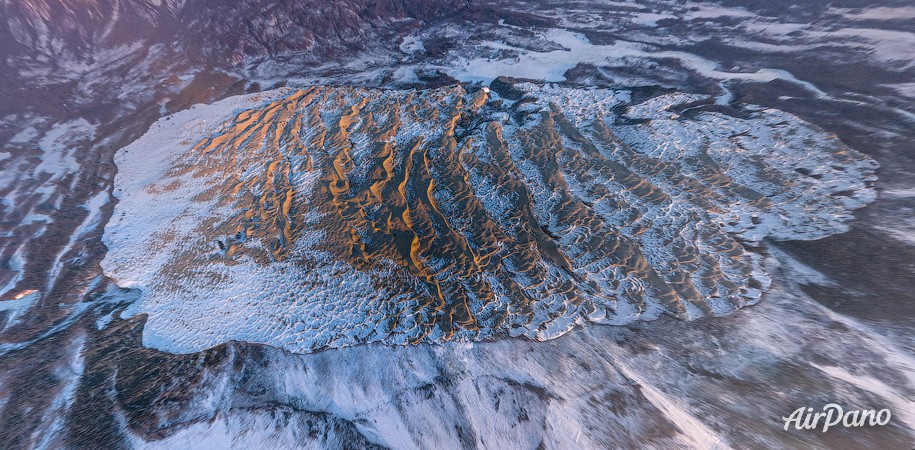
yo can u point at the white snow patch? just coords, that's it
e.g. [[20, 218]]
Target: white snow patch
[[412, 44], [57, 158], [24, 135], [93, 206], [883, 13], [906, 89], [577, 49], [900, 404], [17, 307]]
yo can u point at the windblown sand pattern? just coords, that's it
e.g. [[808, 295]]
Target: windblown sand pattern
[[333, 216]]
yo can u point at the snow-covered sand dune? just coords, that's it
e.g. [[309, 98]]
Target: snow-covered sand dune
[[333, 216]]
